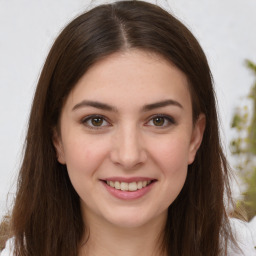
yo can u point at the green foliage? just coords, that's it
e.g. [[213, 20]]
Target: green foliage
[[240, 122], [252, 127], [251, 65], [240, 119], [244, 147]]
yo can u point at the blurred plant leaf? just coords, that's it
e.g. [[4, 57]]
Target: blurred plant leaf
[[244, 147]]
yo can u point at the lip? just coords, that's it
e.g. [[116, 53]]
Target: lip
[[128, 180], [128, 195]]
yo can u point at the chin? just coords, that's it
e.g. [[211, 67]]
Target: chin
[[128, 222], [132, 218]]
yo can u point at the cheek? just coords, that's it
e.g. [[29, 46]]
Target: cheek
[[173, 163], [171, 154], [83, 156], [171, 158]]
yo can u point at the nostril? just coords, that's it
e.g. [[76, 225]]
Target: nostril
[[129, 155]]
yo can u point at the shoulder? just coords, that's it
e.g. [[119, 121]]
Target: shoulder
[[8, 250], [244, 237]]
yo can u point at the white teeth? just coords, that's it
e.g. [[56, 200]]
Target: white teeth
[[124, 186], [132, 186], [139, 185], [117, 185]]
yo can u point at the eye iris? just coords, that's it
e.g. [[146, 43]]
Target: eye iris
[[158, 121], [97, 121]]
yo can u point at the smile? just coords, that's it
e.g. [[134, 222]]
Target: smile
[[128, 188], [131, 186]]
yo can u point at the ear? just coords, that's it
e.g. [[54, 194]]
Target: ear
[[57, 142], [197, 137]]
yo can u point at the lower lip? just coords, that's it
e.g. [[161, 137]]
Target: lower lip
[[128, 195]]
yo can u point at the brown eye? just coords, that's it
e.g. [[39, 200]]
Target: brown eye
[[161, 121], [158, 121], [97, 121]]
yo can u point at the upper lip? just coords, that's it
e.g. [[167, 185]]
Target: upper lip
[[128, 179]]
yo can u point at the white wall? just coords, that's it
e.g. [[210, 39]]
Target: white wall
[[225, 29]]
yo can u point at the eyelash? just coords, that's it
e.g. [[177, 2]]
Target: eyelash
[[91, 117], [170, 121]]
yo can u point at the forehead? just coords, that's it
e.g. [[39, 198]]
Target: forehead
[[133, 76]]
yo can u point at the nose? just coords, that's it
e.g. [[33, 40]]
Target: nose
[[128, 149]]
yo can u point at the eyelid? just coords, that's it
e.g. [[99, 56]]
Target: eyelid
[[87, 118], [170, 119]]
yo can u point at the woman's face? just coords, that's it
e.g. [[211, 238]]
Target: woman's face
[[127, 138]]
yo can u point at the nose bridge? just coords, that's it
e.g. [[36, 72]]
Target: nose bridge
[[128, 149]]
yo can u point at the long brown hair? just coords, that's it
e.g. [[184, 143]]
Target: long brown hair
[[46, 218]]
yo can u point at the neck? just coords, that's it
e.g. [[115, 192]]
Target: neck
[[108, 240]]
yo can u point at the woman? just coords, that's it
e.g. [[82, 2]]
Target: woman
[[123, 155]]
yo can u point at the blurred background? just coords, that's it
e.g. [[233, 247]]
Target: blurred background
[[226, 31]]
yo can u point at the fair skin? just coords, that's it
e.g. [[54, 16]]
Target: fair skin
[[127, 156]]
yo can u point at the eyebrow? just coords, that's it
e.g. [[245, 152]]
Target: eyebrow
[[148, 107], [95, 104], [161, 104]]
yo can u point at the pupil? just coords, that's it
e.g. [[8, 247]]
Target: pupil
[[158, 121], [97, 121]]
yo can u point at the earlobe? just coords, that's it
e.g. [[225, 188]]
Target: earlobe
[[58, 147], [197, 137]]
